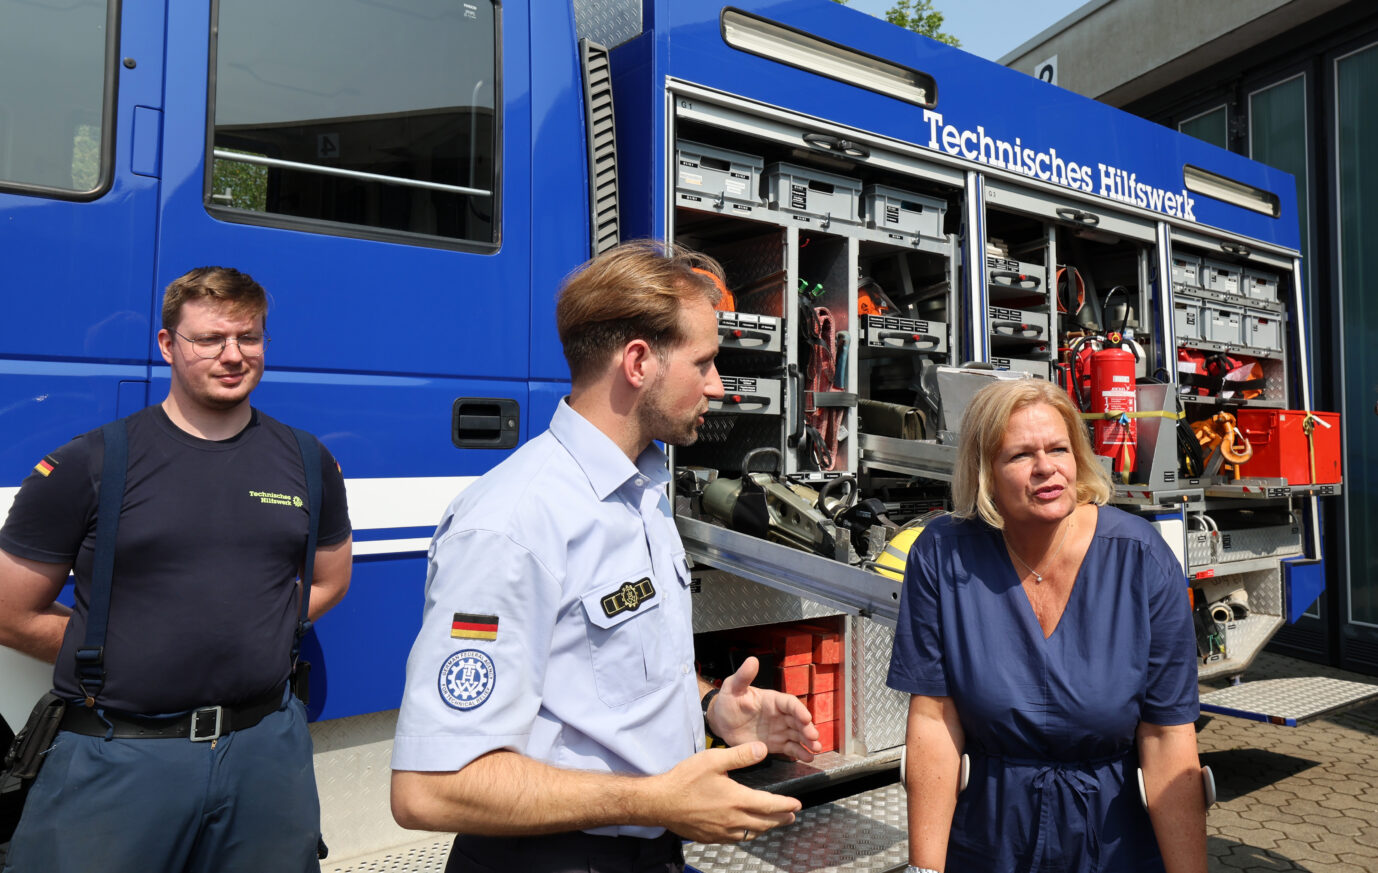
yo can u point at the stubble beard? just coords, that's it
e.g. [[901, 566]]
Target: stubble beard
[[659, 424]]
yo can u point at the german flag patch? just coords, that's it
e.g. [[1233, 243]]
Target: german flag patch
[[466, 626], [45, 466]]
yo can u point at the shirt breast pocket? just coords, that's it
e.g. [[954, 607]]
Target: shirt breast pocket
[[626, 639]]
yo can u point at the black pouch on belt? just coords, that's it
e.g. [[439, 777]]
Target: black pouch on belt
[[24, 758], [301, 682]]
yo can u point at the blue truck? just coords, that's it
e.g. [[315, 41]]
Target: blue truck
[[411, 182]]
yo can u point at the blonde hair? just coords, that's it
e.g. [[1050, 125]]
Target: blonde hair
[[224, 284], [632, 291], [983, 433]]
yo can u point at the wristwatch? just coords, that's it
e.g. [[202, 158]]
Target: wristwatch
[[707, 699], [711, 738]]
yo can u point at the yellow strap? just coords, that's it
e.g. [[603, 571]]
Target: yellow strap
[[1109, 416], [1308, 427]]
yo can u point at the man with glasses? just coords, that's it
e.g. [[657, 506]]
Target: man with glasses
[[192, 754]]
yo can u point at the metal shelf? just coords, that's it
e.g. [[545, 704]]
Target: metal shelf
[[1201, 572], [1199, 293], [816, 578], [921, 458], [1269, 489], [1229, 348], [1143, 495]]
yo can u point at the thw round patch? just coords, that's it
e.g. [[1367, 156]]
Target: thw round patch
[[466, 679]]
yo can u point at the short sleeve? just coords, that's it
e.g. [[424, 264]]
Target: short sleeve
[[56, 504], [1171, 696], [916, 662], [335, 526], [477, 669]]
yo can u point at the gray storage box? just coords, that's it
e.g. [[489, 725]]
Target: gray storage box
[[1259, 285], [1017, 324], [813, 196], [1186, 318], [745, 395], [1186, 270], [1008, 279], [1220, 276], [743, 330], [1221, 323], [1041, 369], [956, 387], [903, 214], [1262, 330], [714, 178], [903, 334]]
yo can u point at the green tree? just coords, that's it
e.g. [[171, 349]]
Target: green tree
[[918, 16]]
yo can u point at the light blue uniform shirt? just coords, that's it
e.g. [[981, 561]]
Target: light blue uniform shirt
[[571, 550]]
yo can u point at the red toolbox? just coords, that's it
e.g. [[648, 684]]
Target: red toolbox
[[1281, 448]]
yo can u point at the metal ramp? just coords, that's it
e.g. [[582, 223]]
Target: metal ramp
[[864, 832], [1288, 702]]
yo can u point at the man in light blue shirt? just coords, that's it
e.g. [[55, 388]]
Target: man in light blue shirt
[[553, 717]]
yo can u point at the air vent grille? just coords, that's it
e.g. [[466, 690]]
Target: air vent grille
[[602, 146]]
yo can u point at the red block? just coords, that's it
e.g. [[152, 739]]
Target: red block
[[828, 735], [821, 708], [794, 646], [795, 680], [823, 677], [827, 647]]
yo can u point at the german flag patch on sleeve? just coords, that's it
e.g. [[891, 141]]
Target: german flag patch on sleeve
[[467, 626], [45, 466]]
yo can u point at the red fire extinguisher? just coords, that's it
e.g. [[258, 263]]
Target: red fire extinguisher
[[1112, 390]]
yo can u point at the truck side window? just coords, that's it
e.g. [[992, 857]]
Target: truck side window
[[352, 117], [54, 96]]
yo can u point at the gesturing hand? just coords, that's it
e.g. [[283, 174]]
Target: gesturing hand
[[702, 803], [742, 713]]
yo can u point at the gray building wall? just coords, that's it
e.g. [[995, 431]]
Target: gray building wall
[[1118, 51]]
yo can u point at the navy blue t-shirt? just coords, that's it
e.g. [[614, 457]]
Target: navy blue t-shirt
[[212, 536]]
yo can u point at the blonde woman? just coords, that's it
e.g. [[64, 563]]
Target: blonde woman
[[1048, 637]]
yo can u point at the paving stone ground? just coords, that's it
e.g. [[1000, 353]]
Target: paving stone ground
[[1290, 799], [1294, 799]]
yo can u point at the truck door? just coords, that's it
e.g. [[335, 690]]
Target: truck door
[[80, 128], [356, 159]]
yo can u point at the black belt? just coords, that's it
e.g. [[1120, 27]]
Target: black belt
[[200, 725]]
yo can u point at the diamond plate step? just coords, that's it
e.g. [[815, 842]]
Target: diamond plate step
[[424, 856], [1288, 702], [864, 832]]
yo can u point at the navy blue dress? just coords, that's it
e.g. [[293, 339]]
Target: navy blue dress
[[1049, 723]]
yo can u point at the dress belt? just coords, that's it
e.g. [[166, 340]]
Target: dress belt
[[1053, 778], [200, 725]]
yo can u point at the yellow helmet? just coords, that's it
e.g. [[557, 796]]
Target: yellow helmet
[[891, 560]]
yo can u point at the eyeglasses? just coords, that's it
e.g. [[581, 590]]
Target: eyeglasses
[[212, 345]]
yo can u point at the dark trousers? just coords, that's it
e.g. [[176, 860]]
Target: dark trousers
[[575, 852], [245, 805]]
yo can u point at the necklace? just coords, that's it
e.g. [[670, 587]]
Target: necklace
[[1038, 577]]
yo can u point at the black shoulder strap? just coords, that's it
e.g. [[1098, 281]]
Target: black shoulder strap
[[90, 658], [311, 461]]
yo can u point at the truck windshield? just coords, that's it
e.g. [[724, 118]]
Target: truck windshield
[[372, 115], [53, 69]]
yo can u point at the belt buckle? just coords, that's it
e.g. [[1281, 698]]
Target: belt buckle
[[216, 714]]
